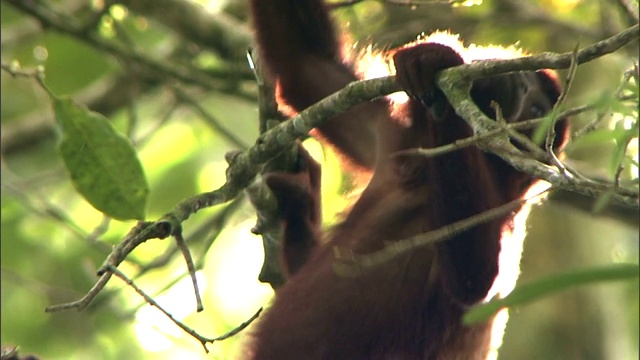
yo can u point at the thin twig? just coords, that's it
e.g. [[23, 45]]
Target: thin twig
[[533, 149], [182, 245], [350, 264], [211, 120], [203, 340], [70, 26], [553, 116], [617, 95], [477, 138], [245, 165]]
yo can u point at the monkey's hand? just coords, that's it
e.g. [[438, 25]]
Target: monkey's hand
[[298, 196], [416, 68]]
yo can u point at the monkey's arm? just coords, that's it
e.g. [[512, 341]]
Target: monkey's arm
[[469, 261], [302, 52]]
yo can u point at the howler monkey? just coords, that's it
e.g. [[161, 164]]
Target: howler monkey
[[411, 306]]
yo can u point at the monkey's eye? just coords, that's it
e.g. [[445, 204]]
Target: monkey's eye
[[537, 110]]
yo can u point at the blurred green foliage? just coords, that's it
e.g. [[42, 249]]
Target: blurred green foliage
[[52, 241]]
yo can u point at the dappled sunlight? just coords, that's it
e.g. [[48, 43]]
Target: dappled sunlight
[[211, 176], [175, 81], [153, 329], [162, 150], [232, 270], [563, 5], [230, 291]]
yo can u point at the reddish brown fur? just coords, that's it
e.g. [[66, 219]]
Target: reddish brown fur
[[409, 308]]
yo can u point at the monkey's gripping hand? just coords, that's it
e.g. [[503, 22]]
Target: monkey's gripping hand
[[298, 196], [416, 68]]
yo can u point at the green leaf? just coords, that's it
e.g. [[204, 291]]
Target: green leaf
[[103, 164], [603, 201], [540, 133], [549, 285], [622, 139]]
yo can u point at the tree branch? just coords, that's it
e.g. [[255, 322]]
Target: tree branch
[[220, 32], [160, 67], [455, 82]]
